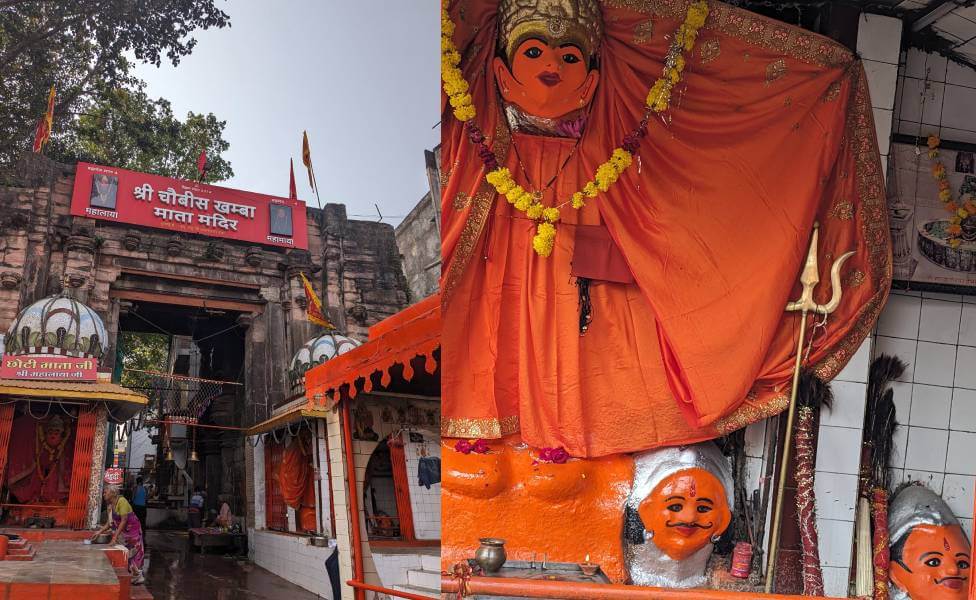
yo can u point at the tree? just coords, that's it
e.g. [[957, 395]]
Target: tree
[[81, 48], [125, 128]]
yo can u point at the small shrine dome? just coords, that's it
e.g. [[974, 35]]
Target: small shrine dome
[[58, 324], [316, 351]]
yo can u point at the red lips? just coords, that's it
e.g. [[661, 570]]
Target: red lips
[[952, 584], [549, 78], [686, 530]]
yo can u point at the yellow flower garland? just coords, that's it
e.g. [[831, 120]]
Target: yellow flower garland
[[959, 213], [658, 100]]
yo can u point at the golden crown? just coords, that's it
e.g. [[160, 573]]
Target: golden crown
[[577, 22]]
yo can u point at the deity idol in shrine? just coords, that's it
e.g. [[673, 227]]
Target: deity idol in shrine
[[629, 191], [296, 476], [41, 452], [930, 557], [679, 506]]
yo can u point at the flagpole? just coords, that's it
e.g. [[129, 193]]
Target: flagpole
[[315, 184]]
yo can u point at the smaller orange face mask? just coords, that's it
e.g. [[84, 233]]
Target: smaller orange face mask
[[685, 511], [546, 81], [934, 564]]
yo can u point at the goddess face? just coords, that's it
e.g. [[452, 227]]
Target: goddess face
[[547, 79], [52, 436], [685, 511], [934, 563]]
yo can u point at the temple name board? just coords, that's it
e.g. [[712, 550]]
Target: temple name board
[[46, 367], [112, 194]]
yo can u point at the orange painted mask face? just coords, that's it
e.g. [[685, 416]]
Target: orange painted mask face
[[546, 80], [934, 564], [685, 511]]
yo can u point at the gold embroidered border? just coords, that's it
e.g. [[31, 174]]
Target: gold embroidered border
[[748, 414], [486, 428], [756, 29], [475, 224]]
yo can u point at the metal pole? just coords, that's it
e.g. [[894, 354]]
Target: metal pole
[[784, 462]]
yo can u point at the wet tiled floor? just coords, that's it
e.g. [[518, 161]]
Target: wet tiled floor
[[174, 573], [66, 568]]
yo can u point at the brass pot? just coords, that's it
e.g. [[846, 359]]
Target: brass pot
[[490, 556]]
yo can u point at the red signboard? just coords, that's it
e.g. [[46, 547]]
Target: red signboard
[[48, 367], [112, 194]]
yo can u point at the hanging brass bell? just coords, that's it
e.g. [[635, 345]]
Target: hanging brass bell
[[169, 455], [193, 456]]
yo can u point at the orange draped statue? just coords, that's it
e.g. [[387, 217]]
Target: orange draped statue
[[41, 454], [769, 131], [297, 479]]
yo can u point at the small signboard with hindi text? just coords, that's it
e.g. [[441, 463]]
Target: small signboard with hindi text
[[112, 194], [48, 367]]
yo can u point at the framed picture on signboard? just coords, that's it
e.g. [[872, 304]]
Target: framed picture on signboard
[[281, 220], [104, 191], [933, 234]]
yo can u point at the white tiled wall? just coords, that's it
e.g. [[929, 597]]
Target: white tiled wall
[[425, 503], [935, 95], [936, 398], [291, 557]]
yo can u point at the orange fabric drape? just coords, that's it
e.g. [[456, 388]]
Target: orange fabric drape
[[293, 473], [401, 485], [84, 445], [773, 132]]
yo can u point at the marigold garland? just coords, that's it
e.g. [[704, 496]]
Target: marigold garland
[[959, 212], [658, 100]]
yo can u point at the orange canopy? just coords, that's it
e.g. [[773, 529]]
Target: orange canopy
[[397, 340]]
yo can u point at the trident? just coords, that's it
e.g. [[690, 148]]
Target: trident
[[809, 278]]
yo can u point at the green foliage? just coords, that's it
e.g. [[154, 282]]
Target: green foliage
[[82, 47], [142, 352], [125, 128]]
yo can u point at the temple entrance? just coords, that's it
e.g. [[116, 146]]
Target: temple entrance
[[189, 361]]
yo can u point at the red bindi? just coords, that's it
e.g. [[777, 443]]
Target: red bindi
[[945, 544], [694, 489]]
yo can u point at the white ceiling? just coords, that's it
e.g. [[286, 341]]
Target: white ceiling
[[952, 20]]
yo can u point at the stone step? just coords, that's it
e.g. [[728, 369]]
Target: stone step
[[418, 590], [430, 563], [20, 543], [139, 592], [29, 556], [424, 578], [125, 582]]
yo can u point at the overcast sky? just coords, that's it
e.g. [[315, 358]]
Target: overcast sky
[[361, 76]]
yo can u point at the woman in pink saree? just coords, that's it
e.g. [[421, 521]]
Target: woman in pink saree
[[125, 526]]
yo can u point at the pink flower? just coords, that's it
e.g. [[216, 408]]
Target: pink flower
[[553, 455], [463, 446], [480, 447], [559, 456]]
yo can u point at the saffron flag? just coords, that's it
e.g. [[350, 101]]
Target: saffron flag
[[42, 134], [307, 158], [292, 193], [202, 163], [314, 310]]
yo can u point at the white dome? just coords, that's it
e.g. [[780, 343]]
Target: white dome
[[316, 351], [57, 325]]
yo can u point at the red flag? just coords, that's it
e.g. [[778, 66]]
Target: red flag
[[307, 158], [202, 163], [314, 311], [292, 193], [43, 132]]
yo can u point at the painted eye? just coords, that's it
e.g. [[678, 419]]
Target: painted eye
[[933, 562], [675, 507], [533, 52], [963, 564], [571, 59], [704, 509]]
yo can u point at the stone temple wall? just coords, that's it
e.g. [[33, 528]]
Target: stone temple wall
[[353, 265]]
